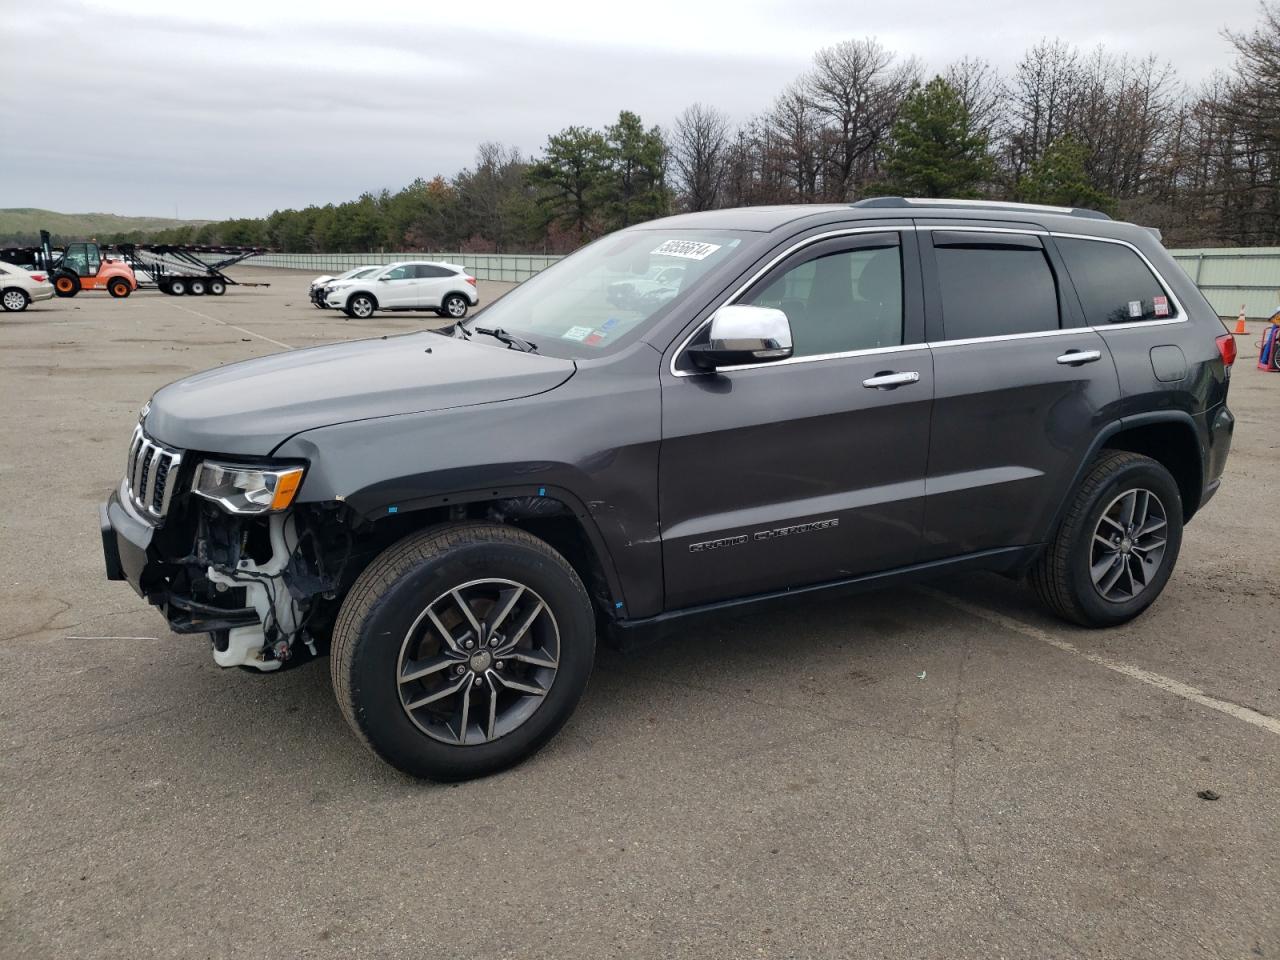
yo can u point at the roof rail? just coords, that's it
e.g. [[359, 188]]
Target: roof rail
[[899, 203]]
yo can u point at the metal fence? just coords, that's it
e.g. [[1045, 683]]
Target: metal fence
[[509, 267], [1229, 277]]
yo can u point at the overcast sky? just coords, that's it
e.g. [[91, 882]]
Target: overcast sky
[[236, 107]]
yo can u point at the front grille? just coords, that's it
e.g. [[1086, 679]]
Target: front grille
[[147, 473]]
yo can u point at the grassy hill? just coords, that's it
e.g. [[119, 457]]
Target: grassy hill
[[22, 225]]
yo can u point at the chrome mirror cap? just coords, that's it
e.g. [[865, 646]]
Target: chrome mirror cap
[[743, 334]]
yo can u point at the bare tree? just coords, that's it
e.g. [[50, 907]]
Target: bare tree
[[982, 91], [793, 147], [699, 148], [855, 90], [1044, 96]]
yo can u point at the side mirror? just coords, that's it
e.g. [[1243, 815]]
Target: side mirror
[[742, 334]]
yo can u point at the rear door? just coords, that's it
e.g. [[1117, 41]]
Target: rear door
[[809, 469], [1021, 386], [433, 283]]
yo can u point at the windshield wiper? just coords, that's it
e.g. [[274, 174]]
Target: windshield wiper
[[510, 339]]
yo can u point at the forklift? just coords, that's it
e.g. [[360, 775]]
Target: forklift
[[81, 266]]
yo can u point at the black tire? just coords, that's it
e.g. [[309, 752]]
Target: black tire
[[197, 287], [217, 288], [177, 286], [361, 306], [454, 306], [66, 285], [119, 287], [1061, 576], [14, 300], [388, 600]]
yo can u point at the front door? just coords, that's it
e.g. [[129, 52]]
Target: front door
[[1022, 387], [809, 469], [397, 288]]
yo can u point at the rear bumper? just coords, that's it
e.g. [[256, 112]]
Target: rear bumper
[[44, 292]]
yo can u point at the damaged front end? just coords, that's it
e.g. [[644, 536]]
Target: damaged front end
[[221, 548]]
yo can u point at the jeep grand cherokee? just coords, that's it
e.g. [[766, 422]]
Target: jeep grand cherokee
[[824, 398]]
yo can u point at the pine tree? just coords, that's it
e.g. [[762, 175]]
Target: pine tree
[[1060, 178], [934, 149]]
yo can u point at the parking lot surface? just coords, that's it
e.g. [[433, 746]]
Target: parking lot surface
[[925, 772]]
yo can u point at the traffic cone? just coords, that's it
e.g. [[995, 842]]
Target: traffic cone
[[1240, 328]]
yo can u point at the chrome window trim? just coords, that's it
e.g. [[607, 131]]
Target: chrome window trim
[[732, 298], [1181, 316]]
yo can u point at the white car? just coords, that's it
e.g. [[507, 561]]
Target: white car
[[20, 287], [316, 292], [445, 288]]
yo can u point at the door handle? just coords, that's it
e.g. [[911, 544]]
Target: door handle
[[1073, 358], [887, 381]]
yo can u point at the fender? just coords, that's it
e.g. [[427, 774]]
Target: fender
[[371, 505], [1109, 431]]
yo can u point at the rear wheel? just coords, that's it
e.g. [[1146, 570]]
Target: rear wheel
[[177, 286], [455, 306], [119, 287], [361, 306], [14, 300], [462, 650], [196, 288], [66, 285], [1117, 545], [217, 288]]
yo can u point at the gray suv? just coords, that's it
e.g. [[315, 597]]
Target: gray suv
[[824, 398]]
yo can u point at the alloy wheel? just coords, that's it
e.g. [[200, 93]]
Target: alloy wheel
[[478, 661], [14, 300], [456, 307], [1128, 545]]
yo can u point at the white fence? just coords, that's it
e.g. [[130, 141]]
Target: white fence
[[510, 267], [1227, 277]]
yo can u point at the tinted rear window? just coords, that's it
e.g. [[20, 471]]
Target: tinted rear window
[[1114, 284], [991, 292]]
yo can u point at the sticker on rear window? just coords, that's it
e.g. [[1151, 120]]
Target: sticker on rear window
[[1135, 309], [686, 249], [1160, 305], [575, 333]]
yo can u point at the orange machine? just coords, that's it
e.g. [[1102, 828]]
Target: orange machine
[[83, 267]]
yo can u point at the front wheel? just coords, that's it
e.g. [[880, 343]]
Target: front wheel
[[1117, 545], [119, 287], [66, 285], [455, 306], [461, 650], [14, 300], [361, 306]]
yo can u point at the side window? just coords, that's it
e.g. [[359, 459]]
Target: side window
[[428, 272], [993, 290], [1113, 283], [839, 302], [399, 273]]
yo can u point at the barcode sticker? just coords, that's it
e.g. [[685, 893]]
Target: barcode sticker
[[686, 249]]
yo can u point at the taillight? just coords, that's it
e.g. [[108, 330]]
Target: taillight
[[470, 280], [38, 277], [1227, 347]]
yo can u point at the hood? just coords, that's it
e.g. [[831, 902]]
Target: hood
[[251, 407]]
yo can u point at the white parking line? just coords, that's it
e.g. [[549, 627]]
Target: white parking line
[[197, 313], [1168, 685]]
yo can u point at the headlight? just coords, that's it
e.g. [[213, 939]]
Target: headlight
[[241, 488]]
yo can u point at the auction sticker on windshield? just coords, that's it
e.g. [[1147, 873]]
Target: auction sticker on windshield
[[575, 333], [686, 249]]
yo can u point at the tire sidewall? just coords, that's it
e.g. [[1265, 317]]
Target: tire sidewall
[[18, 309], [452, 298], [354, 311], [118, 285], [1151, 476], [373, 690]]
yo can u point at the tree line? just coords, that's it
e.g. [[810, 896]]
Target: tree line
[[1066, 126]]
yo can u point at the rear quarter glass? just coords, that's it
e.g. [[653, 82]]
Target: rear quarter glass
[[1114, 283]]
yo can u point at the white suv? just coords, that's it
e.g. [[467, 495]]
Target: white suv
[[18, 287], [445, 288]]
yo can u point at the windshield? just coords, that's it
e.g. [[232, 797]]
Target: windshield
[[592, 299]]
